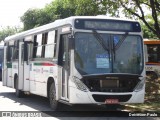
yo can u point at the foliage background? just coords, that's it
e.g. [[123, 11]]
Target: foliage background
[[145, 11]]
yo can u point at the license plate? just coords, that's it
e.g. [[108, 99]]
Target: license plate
[[112, 101]]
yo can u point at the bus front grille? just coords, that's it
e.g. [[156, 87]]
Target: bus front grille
[[112, 84], [102, 98]]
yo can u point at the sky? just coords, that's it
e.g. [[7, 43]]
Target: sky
[[12, 10]]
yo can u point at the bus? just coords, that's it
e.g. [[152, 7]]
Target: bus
[[78, 60], [153, 57], [1, 61]]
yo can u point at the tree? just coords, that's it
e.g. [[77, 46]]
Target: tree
[[35, 17], [133, 9], [147, 33], [58, 9], [87, 7], [5, 32], [148, 11]]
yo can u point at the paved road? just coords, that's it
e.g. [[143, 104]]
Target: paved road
[[9, 102]]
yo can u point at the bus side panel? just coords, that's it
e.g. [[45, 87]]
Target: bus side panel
[[40, 80], [20, 67], [59, 83], [14, 71], [9, 74], [37, 83], [26, 77], [32, 79], [39, 75], [43, 71], [4, 71]]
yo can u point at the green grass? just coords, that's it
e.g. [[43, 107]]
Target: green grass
[[152, 97], [153, 107]]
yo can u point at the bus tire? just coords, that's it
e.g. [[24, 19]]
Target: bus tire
[[52, 97], [19, 93]]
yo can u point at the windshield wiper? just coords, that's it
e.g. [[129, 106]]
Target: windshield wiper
[[116, 46], [121, 41], [100, 40], [102, 43]]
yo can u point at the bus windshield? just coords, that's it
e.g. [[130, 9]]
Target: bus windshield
[[122, 54]]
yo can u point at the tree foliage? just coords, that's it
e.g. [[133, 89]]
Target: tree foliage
[[147, 33], [148, 11], [57, 9], [5, 32], [88, 7], [35, 17]]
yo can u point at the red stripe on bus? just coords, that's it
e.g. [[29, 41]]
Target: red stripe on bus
[[44, 64], [48, 64]]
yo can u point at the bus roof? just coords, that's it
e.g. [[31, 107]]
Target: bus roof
[[151, 41], [57, 23]]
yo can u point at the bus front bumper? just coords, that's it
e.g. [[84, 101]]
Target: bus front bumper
[[80, 97]]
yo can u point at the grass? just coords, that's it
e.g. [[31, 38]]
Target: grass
[[151, 107], [152, 97]]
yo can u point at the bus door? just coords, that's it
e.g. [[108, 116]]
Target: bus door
[[21, 66], [7, 68], [64, 62], [26, 64], [4, 73]]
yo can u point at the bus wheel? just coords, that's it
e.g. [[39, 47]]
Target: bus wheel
[[52, 97], [19, 93]]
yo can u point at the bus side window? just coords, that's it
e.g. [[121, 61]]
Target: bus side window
[[152, 53], [35, 43], [8, 54], [55, 43], [63, 57], [16, 50], [44, 42], [50, 47], [37, 48]]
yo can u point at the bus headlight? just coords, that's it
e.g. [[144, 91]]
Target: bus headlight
[[140, 85], [80, 85]]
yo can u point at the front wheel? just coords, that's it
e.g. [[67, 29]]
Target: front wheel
[[52, 97], [19, 93]]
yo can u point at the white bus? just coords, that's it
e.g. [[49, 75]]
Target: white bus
[[78, 60], [1, 58]]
